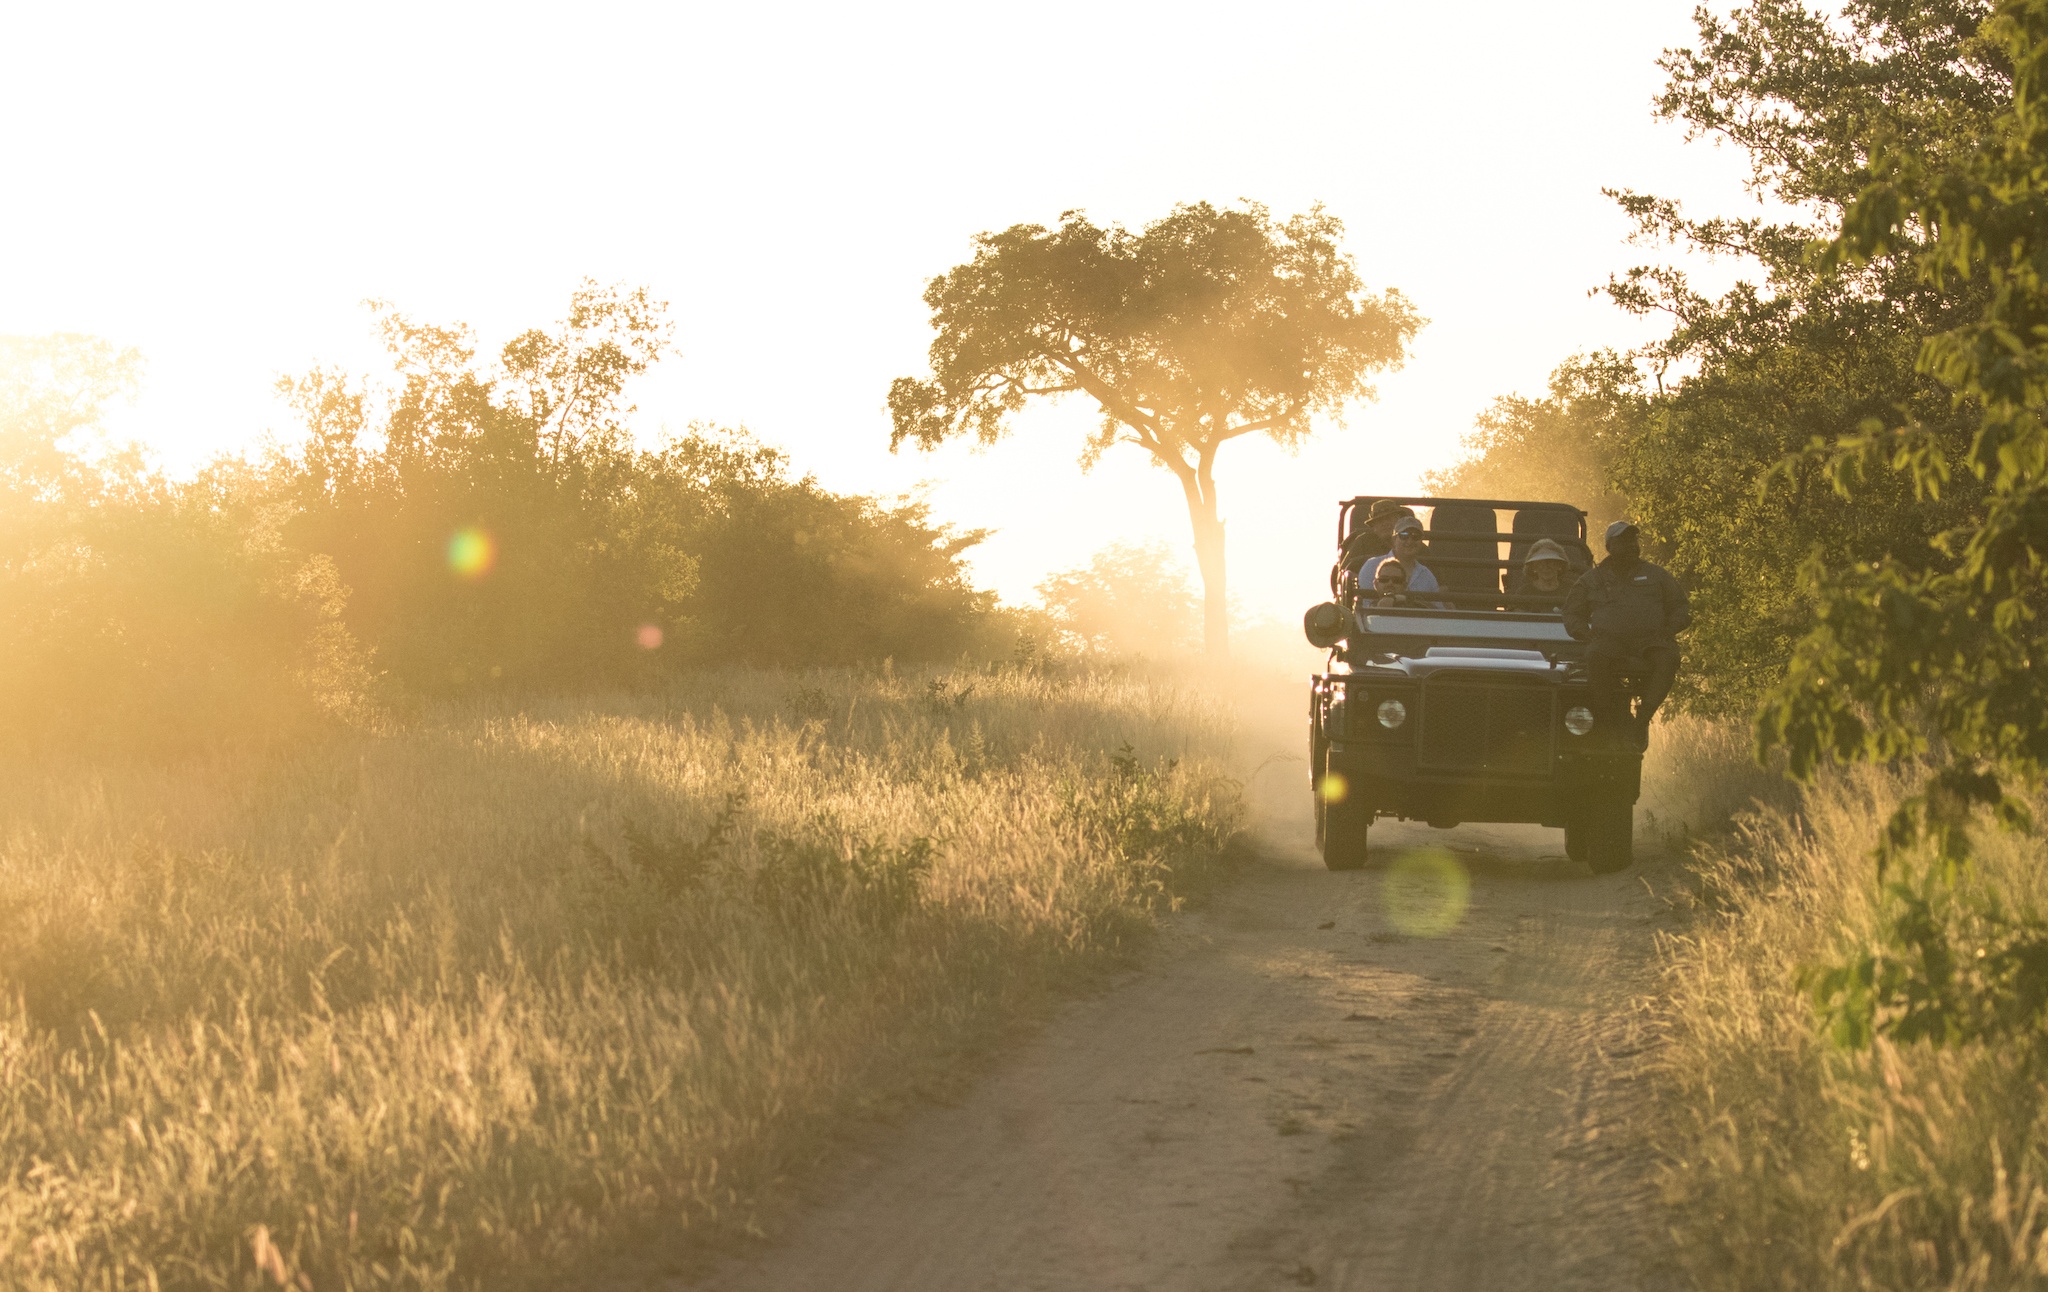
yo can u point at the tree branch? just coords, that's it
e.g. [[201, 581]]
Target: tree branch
[[1262, 424], [1111, 399]]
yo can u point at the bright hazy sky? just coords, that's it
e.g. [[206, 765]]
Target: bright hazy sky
[[222, 188]]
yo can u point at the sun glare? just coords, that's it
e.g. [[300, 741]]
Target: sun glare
[[472, 553]]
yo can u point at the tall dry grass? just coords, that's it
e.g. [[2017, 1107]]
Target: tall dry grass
[[1699, 781], [475, 1003], [1793, 1164]]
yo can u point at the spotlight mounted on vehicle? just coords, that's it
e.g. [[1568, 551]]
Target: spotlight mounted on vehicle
[[1392, 713], [1325, 625], [1578, 720]]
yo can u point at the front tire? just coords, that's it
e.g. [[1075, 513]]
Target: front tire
[[1342, 834], [1608, 827], [1340, 826]]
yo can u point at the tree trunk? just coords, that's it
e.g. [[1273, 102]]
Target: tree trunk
[[1215, 594]]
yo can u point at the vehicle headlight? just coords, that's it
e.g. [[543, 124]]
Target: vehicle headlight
[[1392, 713], [1578, 720], [1333, 720]]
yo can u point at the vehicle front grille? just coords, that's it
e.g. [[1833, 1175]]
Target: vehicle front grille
[[1499, 729]]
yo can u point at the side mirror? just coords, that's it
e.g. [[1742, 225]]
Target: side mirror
[[1325, 625]]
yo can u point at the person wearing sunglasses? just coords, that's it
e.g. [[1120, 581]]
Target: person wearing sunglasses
[[1390, 585], [1374, 538], [1407, 554]]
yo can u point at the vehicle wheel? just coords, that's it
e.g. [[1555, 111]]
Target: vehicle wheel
[[1609, 828], [1342, 832], [1575, 837]]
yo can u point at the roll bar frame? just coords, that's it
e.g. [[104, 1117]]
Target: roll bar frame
[[1484, 602]]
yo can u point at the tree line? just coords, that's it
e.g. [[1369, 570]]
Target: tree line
[[469, 523], [1847, 458], [1722, 437]]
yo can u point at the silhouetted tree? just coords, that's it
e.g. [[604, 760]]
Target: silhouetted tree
[[1209, 325]]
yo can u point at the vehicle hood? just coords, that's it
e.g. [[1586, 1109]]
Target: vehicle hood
[[1474, 660]]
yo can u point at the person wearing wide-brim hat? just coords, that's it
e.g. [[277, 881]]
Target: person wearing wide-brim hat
[[1544, 573]]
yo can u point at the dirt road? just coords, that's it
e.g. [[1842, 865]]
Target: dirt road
[[1321, 1080]]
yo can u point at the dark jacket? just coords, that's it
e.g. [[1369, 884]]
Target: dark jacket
[[1645, 605]]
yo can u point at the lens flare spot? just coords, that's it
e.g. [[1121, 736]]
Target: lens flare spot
[[1427, 893], [1333, 787], [649, 637], [472, 552]]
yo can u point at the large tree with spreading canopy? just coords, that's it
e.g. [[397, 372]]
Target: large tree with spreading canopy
[[1208, 325]]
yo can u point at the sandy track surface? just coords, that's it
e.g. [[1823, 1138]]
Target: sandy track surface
[[1291, 1092]]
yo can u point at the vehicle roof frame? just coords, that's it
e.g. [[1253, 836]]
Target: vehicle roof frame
[[1347, 506]]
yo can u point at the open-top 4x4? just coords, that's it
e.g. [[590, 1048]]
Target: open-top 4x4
[[1478, 711]]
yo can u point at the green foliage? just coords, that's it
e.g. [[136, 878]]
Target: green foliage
[[1941, 661], [673, 864], [1717, 463], [1950, 963], [1790, 1161], [1208, 325], [1149, 817], [1949, 650], [1719, 472]]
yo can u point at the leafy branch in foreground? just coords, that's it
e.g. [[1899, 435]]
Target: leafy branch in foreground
[[1941, 663]]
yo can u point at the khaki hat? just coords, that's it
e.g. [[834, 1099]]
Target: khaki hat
[[1386, 507], [1544, 549]]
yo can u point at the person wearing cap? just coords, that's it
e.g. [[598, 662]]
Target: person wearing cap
[[1543, 575], [1408, 554], [1374, 538], [1626, 609]]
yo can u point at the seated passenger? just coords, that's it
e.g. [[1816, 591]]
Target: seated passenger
[[1390, 586], [1544, 572], [1407, 554], [1374, 538]]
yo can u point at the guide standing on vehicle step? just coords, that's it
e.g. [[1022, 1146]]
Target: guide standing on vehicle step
[[1629, 612]]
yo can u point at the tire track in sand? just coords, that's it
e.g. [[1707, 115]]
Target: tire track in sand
[[1290, 1092]]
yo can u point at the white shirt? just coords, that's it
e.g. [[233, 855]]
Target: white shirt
[[1419, 577]]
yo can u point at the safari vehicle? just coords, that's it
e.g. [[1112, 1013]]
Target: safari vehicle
[[1477, 711]]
